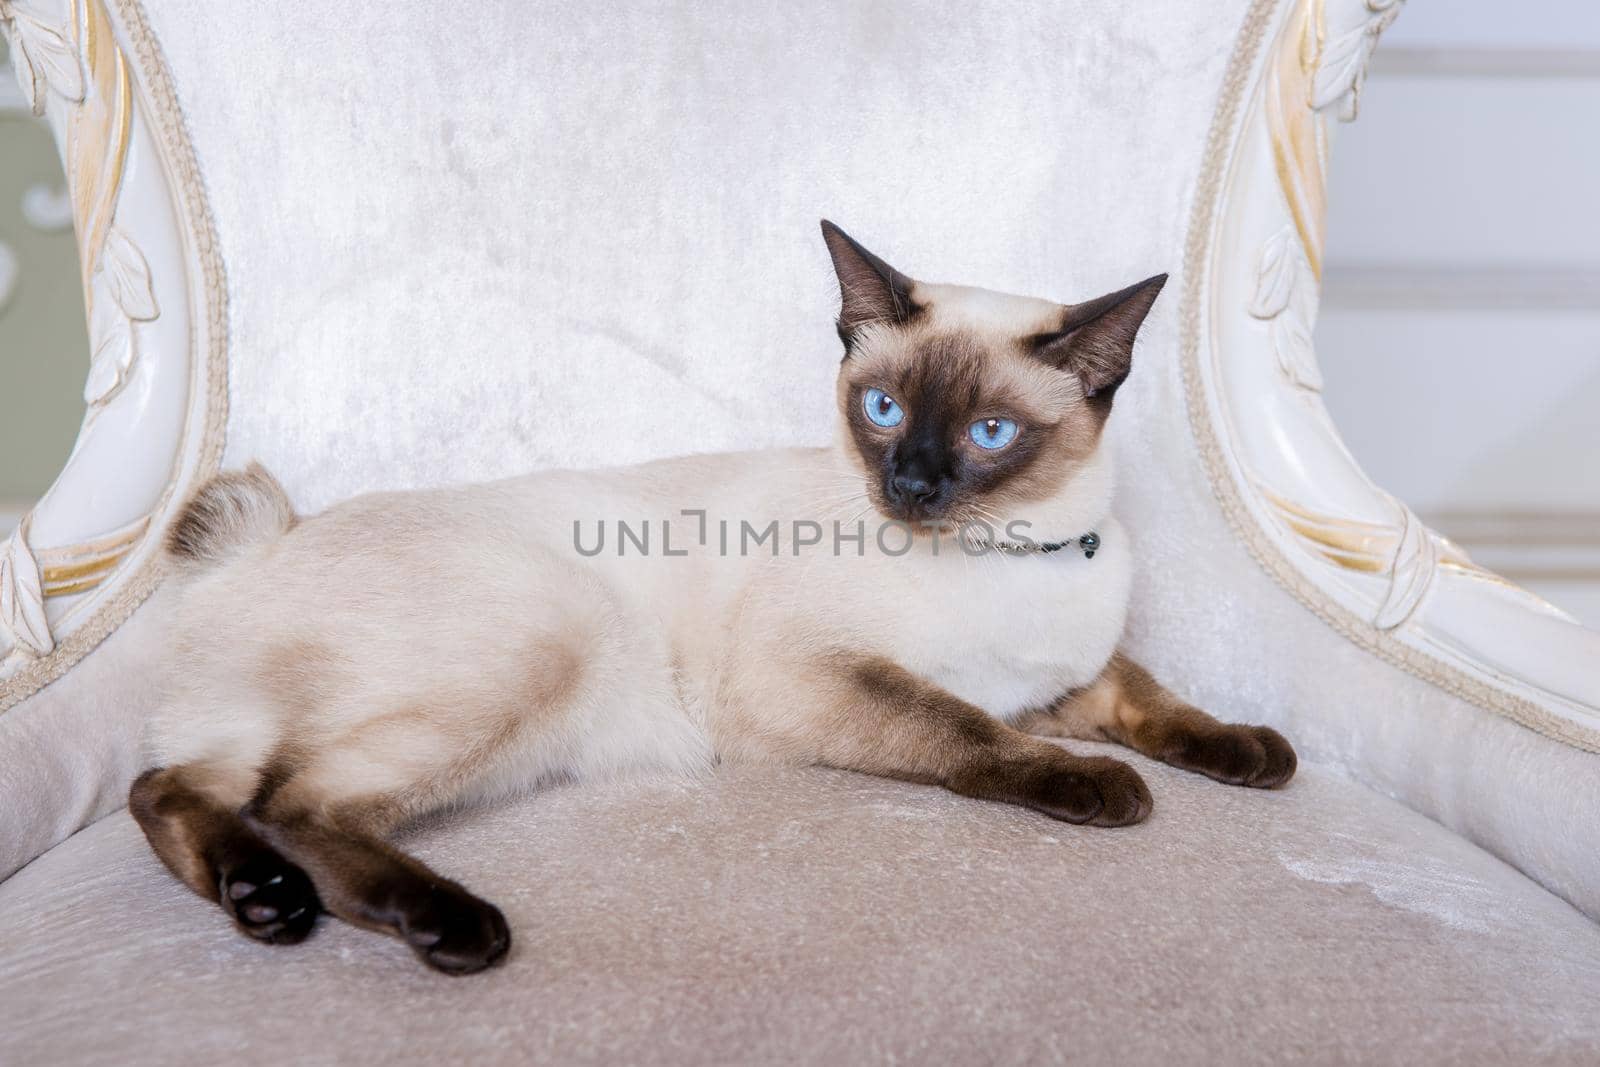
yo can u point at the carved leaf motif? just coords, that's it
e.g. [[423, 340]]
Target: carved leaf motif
[[1343, 69], [113, 345], [125, 265], [1411, 572], [1342, 64], [43, 56], [1286, 296], [22, 597], [22, 67], [1275, 276], [1297, 355], [121, 294]]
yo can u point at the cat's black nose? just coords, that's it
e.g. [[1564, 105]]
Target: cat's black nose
[[909, 490]]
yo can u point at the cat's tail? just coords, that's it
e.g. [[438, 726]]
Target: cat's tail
[[226, 515]]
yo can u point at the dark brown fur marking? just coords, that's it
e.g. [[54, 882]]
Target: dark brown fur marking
[[1095, 340], [366, 881], [945, 384], [232, 508], [1128, 706], [281, 766], [278, 862], [944, 390], [189, 534], [890, 723], [211, 850], [870, 291]]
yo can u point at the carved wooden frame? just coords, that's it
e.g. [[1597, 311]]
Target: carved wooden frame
[[83, 557], [1352, 553]]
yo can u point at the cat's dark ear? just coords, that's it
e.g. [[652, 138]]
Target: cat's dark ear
[[869, 289], [1095, 339]]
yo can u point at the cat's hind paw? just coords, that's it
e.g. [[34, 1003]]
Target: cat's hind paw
[[270, 899], [456, 932]]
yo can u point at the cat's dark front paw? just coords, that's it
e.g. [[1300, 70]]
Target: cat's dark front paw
[[270, 899], [1257, 756], [1094, 790], [455, 932]]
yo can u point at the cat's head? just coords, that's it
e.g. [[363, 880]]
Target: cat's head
[[963, 405]]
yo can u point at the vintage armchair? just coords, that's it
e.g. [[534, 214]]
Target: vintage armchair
[[406, 244]]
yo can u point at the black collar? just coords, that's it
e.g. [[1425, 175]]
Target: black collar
[[1089, 543]]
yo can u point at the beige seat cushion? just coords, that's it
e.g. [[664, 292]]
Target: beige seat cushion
[[766, 916]]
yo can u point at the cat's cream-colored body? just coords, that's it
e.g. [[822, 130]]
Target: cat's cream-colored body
[[383, 639], [333, 676]]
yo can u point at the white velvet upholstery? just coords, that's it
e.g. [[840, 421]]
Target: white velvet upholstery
[[820, 917]]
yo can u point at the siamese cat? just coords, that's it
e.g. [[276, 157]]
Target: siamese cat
[[920, 600]]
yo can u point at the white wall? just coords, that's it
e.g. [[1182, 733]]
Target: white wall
[[1460, 331]]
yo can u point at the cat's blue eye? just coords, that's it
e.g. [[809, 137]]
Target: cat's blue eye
[[881, 408], [992, 433]]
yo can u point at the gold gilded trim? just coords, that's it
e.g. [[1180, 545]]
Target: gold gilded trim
[[1352, 562], [1301, 511], [1362, 546], [1472, 570], [98, 546], [75, 587], [1299, 134], [97, 136], [79, 570], [80, 567], [1343, 541]]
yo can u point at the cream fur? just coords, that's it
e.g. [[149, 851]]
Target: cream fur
[[421, 648], [419, 618]]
